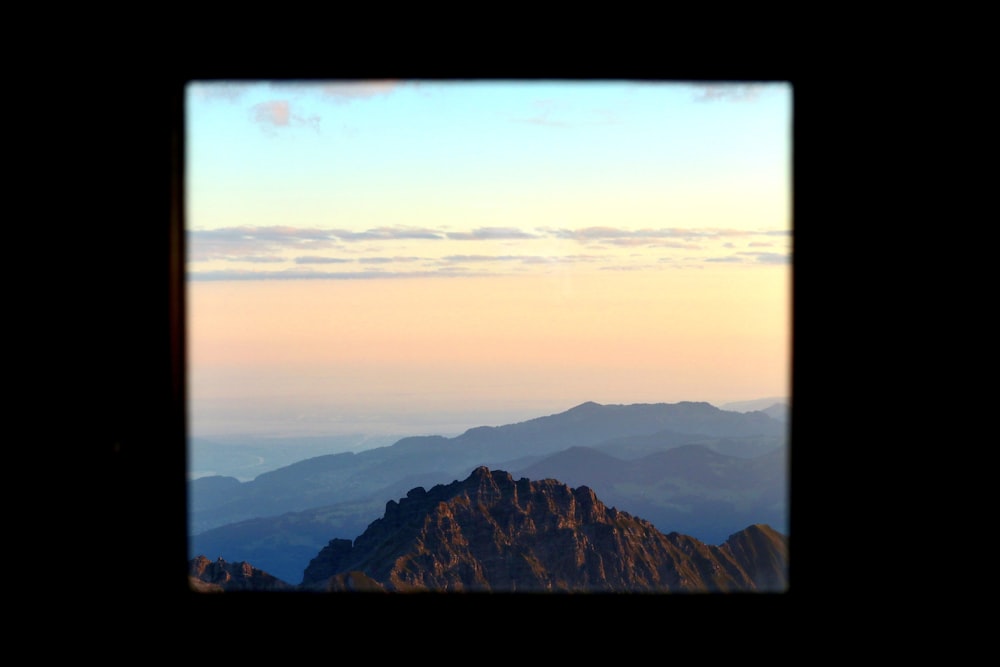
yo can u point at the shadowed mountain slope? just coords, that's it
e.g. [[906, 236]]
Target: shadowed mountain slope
[[689, 489], [426, 460]]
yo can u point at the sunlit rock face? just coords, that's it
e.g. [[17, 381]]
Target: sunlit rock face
[[208, 575], [490, 533]]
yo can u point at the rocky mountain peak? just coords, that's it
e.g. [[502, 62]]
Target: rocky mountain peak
[[232, 576], [491, 533]]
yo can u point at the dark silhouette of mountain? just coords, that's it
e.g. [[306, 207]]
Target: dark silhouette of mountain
[[689, 489], [489, 533], [426, 460], [638, 446], [283, 545]]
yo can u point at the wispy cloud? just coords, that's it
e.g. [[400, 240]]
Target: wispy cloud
[[725, 259], [484, 258], [620, 236], [241, 240], [257, 259], [388, 234], [491, 233], [278, 114], [753, 257], [344, 92], [542, 115], [314, 259], [390, 260], [771, 257], [454, 272], [245, 241], [303, 248], [727, 92], [229, 91]]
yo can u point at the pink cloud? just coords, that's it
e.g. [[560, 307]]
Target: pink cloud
[[278, 113], [272, 112]]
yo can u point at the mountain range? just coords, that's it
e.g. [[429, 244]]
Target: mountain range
[[492, 534], [689, 468]]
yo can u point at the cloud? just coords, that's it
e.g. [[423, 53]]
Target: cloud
[[245, 242], [274, 112], [245, 233], [313, 259], [229, 91], [387, 234], [685, 239], [389, 260], [278, 113], [344, 92], [754, 257], [727, 92], [257, 259], [452, 272], [653, 242], [618, 267], [485, 258], [491, 233], [524, 259], [773, 258], [302, 248], [626, 237]]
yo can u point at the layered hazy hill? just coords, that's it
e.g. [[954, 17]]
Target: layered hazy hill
[[686, 467], [334, 478], [490, 533]]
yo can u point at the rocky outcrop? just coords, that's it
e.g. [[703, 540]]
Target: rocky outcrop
[[763, 553], [206, 575], [490, 533]]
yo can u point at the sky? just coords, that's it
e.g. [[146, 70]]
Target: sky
[[422, 257]]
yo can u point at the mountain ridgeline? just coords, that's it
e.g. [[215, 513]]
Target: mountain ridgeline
[[686, 468], [492, 534]]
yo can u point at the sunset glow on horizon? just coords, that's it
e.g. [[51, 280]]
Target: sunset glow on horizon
[[368, 255]]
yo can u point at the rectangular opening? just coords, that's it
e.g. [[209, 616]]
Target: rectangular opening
[[370, 261]]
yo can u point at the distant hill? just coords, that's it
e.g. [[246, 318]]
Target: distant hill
[[279, 521], [426, 460], [689, 489], [489, 533], [776, 407], [755, 404]]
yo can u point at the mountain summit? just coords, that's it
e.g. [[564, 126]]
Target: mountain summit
[[490, 533]]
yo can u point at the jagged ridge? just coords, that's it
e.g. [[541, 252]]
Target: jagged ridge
[[215, 576], [490, 533]]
